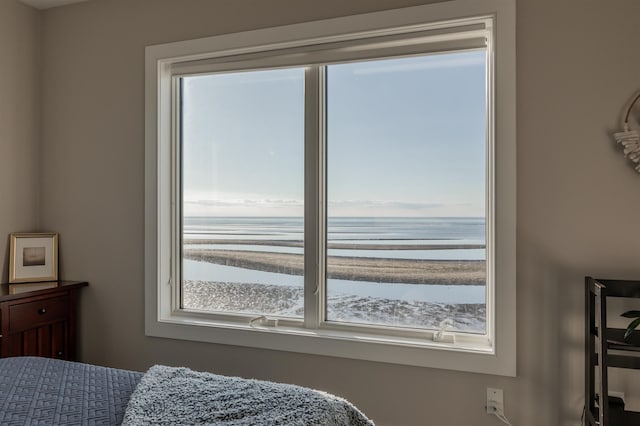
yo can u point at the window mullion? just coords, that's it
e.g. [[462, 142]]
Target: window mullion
[[321, 194], [314, 217]]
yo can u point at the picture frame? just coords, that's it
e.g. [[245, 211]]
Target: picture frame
[[20, 288], [33, 257]]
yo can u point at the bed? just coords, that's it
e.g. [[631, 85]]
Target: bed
[[43, 391]]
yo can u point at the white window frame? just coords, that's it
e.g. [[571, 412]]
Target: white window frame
[[494, 353]]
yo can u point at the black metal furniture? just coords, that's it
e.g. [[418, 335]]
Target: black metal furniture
[[605, 347]]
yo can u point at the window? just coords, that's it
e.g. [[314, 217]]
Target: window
[[242, 187], [341, 187], [406, 216]]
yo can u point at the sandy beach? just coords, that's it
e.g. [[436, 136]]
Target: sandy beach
[[445, 272], [285, 301]]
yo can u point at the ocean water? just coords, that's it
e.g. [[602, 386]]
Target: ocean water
[[414, 239], [353, 230]]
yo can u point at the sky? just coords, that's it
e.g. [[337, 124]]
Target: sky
[[405, 137]]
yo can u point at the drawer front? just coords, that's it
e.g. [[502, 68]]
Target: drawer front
[[24, 316]]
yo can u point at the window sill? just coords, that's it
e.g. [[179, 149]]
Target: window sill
[[469, 353]]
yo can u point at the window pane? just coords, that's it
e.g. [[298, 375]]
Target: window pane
[[242, 189], [406, 172]]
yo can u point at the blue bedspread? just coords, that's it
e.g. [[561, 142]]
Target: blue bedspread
[[43, 391]]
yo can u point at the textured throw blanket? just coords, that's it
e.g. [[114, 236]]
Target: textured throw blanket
[[180, 396]]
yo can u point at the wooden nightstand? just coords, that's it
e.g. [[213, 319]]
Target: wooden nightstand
[[39, 319]]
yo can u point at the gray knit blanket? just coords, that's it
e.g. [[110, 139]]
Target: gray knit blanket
[[180, 396]]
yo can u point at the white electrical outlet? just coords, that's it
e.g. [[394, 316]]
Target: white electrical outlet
[[495, 402]]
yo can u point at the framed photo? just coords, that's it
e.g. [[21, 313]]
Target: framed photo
[[33, 257]]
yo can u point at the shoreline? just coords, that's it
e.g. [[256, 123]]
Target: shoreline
[[284, 301], [405, 271]]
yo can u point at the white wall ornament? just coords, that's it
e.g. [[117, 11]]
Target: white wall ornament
[[630, 139]]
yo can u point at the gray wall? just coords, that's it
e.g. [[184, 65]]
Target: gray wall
[[20, 29], [578, 198]]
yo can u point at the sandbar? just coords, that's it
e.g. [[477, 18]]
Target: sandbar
[[443, 272]]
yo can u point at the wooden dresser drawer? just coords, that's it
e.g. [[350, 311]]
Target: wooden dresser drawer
[[39, 320], [23, 316]]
